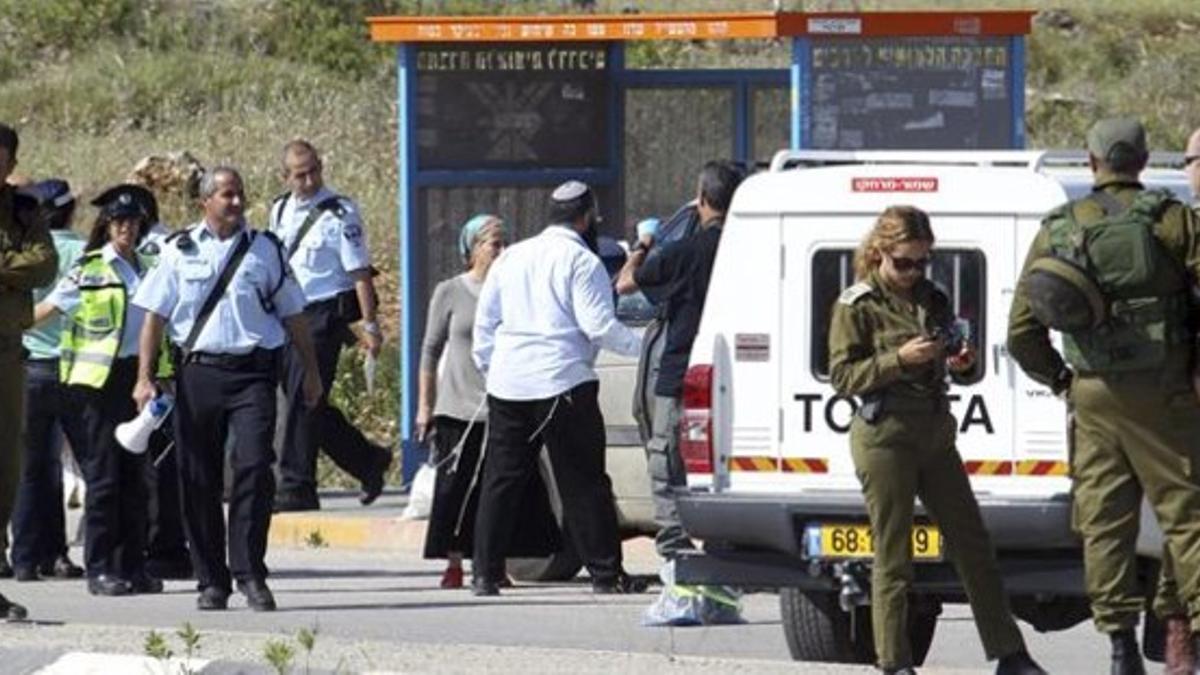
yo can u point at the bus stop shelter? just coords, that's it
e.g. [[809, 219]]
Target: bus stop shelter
[[494, 111]]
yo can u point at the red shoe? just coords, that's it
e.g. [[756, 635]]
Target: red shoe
[[452, 577]]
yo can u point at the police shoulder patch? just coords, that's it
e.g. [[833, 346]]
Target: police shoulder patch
[[855, 293]]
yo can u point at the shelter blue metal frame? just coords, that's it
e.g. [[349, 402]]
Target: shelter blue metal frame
[[412, 177]]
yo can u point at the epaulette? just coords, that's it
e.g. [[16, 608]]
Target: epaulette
[[183, 239], [272, 237], [852, 294], [334, 205]]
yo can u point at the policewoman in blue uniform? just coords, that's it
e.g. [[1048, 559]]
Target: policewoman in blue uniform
[[226, 298], [326, 246], [166, 550], [98, 364]]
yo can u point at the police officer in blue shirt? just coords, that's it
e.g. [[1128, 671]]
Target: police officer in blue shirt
[[326, 245], [227, 343]]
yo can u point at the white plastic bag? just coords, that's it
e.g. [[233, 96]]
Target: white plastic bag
[[420, 497]]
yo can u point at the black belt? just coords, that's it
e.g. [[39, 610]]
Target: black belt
[[259, 360]]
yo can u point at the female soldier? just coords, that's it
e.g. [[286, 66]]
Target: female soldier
[[452, 405], [888, 345], [98, 363]]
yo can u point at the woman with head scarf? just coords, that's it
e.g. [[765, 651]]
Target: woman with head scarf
[[451, 406]]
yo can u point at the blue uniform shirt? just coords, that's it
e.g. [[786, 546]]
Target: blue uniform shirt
[[333, 247], [65, 297], [42, 341], [178, 285]]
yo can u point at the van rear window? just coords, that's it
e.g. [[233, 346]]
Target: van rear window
[[959, 272]]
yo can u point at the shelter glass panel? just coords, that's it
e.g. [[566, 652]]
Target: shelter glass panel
[[772, 119], [670, 133]]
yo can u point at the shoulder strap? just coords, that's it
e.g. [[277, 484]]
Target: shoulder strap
[[329, 204], [1111, 205], [279, 204], [218, 290]]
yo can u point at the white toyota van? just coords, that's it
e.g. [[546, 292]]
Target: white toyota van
[[771, 490]]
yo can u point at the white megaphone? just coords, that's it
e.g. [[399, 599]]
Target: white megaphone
[[134, 435]]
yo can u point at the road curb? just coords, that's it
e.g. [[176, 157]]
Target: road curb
[[387, 534], [363, 533]]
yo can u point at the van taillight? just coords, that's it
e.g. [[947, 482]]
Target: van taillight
[[695, 421]]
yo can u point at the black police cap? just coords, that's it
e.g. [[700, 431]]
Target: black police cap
[[127, 200]]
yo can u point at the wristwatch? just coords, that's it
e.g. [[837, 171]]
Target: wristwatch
[[372, 328]]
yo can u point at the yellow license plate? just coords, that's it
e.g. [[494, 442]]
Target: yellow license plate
[[851, 540]]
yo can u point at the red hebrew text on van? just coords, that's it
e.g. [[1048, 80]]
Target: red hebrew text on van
[[894, 184]]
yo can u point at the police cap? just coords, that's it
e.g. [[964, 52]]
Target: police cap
[[1118, 141], [53, 193], [127, 200]]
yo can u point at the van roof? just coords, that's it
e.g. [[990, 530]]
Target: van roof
[[1017, 182]]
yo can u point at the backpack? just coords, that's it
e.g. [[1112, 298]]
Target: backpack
[[1110, 286]]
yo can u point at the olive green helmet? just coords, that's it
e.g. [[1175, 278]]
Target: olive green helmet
[[1064, 297]]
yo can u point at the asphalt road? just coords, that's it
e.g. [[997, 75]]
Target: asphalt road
[[375, 610]]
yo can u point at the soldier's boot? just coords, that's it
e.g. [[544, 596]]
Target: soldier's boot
[[1126, 660], [1178, 654], [1018, 663], [906, 670]]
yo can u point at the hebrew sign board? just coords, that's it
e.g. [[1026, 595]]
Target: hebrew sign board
[[506, 106], [910, 93]]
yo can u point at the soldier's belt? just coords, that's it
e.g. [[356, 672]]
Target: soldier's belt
[[906, 404]]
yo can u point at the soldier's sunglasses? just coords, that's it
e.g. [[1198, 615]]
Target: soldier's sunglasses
[[905, 265]]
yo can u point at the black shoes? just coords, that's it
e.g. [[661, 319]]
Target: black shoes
[[1126, 660], [212, 598], [905, 670], [258, 596], [11, 611], [622, 584], [108, 585], [1018, 663], [483, 588], [296, 500], [144, 584], [372, 488], [60, 568]]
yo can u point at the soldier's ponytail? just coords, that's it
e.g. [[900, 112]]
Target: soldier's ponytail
[[896, 225]]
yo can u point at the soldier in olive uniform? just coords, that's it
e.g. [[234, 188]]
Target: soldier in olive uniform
[[1127, 372], [27, 260], [891, 342]]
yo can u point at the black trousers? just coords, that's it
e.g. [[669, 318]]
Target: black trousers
[[325, 428], [572, 430], [164, 506], [115, 503], [211, 402], [38, 523]]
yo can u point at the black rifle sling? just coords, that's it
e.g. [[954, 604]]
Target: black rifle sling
[[313, 216], [214, 296]]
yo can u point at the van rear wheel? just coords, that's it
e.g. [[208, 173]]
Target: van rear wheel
[[817, 629]]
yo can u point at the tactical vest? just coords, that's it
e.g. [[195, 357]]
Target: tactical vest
[[1144, 287], [92, 338]]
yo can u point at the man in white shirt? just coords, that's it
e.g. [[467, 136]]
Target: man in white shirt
[[544, 312]]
